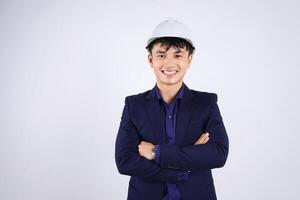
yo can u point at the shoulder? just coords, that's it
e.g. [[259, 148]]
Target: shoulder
[[139, 97], [208, 97], [203, 96]]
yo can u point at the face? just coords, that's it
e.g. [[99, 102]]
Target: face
[[169, 66]]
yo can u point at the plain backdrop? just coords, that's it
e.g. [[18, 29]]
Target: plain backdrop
[[67, 66]]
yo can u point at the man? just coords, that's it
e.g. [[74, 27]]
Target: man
[[170, 137]]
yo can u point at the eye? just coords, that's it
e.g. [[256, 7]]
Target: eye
[[160, 55], [178, 56]]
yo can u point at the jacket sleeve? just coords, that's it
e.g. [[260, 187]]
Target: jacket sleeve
[[127, 157], [211, 155]]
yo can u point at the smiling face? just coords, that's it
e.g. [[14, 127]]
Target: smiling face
[[170, 65]]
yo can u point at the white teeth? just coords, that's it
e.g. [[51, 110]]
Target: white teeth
[[169, 72]]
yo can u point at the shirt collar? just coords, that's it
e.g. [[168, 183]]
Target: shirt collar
[[179, 94]]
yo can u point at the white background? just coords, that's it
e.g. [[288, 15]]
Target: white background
[[66, 67]]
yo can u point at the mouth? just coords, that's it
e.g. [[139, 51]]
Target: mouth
[[169, 72]]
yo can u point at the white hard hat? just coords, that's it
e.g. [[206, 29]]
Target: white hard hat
[[171, 28]]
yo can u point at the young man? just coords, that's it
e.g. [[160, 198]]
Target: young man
[[170, 137]]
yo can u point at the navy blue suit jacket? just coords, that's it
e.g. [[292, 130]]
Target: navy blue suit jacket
[[142, 119]]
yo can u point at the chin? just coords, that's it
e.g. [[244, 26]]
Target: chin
[[170, 82]]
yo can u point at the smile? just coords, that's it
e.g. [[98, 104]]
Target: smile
[[169, 73]]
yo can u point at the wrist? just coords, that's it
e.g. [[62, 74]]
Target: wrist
[[153, 152], [183, 175]]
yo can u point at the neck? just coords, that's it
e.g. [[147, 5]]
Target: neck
[[168, 92]]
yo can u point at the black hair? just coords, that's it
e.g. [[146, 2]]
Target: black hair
[[171, 42]]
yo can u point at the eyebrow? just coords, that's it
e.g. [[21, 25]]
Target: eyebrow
[[178, 51], [160, 51]]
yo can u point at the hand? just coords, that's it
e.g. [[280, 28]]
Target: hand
[[146, 149], [203, 139]]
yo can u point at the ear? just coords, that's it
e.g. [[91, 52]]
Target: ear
[[150, 60], [190, 58]]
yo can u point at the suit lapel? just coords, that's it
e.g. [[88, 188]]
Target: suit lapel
[[183, 118], [156, 117]]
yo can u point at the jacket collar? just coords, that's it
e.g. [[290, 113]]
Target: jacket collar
[[184, 115], [187, 94]]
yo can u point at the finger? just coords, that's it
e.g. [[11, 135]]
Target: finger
[[200, 138], [203, 138], [206, 140]]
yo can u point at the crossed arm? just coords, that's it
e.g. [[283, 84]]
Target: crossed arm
[[211, 154], [134, 158], [127, 157], [146, 148]]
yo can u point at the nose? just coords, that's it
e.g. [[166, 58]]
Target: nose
[[168, 61]]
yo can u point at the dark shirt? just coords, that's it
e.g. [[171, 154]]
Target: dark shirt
[[170, 111]]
